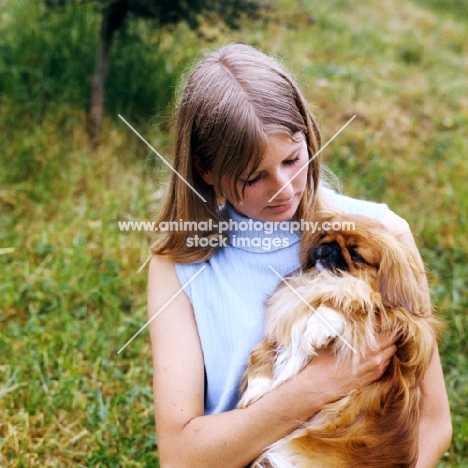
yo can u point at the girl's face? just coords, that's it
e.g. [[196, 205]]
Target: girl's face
[[284, 157]]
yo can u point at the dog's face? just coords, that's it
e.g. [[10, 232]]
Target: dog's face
[[363, 247], [352, 244]]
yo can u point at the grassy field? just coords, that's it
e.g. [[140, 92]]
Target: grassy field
[[71, 292]]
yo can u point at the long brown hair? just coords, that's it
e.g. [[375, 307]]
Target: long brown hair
[[234, 100]]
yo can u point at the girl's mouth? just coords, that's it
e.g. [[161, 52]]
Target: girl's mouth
[[280, 208]]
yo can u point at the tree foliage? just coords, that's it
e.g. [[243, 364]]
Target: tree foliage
[[117, 13], [165, 12]]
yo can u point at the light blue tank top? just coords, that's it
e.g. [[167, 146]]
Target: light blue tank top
[[228, 296]]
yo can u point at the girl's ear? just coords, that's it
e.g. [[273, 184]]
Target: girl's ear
[[205, 175]]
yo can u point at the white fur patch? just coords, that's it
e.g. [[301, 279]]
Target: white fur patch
[[257, 387], [324, 325], [279, 459], [290, 360], [307, 335]]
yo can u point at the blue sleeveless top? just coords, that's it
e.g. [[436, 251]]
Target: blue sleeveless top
[[228, 296]]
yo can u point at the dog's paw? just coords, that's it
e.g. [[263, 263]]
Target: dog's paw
[[322, 327], [257, 387]]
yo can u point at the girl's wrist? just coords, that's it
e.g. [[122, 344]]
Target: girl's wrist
[[307, 397]]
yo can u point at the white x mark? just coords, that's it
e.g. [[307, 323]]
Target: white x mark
[[313, 157], [315, 310], [161, 309], [162, 159]]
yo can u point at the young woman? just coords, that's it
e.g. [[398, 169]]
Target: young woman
[[246, 142]]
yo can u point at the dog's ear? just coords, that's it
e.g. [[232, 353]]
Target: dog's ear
[[399, 275]]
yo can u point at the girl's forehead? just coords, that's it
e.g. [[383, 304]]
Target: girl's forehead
[[282, 142], [278, 147]]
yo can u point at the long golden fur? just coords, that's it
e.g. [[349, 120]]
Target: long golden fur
[[354, 283]]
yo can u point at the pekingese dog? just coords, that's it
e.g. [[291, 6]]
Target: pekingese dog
[[353, 284]]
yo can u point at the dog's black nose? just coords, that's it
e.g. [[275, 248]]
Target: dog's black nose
[[329, 257]]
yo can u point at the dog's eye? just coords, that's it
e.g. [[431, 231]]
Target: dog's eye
[[355, 257]]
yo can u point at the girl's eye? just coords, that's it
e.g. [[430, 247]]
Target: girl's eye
[[287, 162], [253, 181], [291, 162]]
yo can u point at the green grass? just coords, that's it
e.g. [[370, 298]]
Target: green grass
[[70, 287]]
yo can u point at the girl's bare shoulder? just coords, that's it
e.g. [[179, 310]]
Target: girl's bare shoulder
[[163, 281]]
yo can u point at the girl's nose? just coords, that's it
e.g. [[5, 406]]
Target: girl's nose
[[282, 182]]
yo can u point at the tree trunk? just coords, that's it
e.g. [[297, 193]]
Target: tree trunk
[[112, 20]]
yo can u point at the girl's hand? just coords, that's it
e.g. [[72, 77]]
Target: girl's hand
[[335, 380]]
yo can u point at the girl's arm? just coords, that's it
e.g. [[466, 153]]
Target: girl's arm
[[187, 438], [435, 427]]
